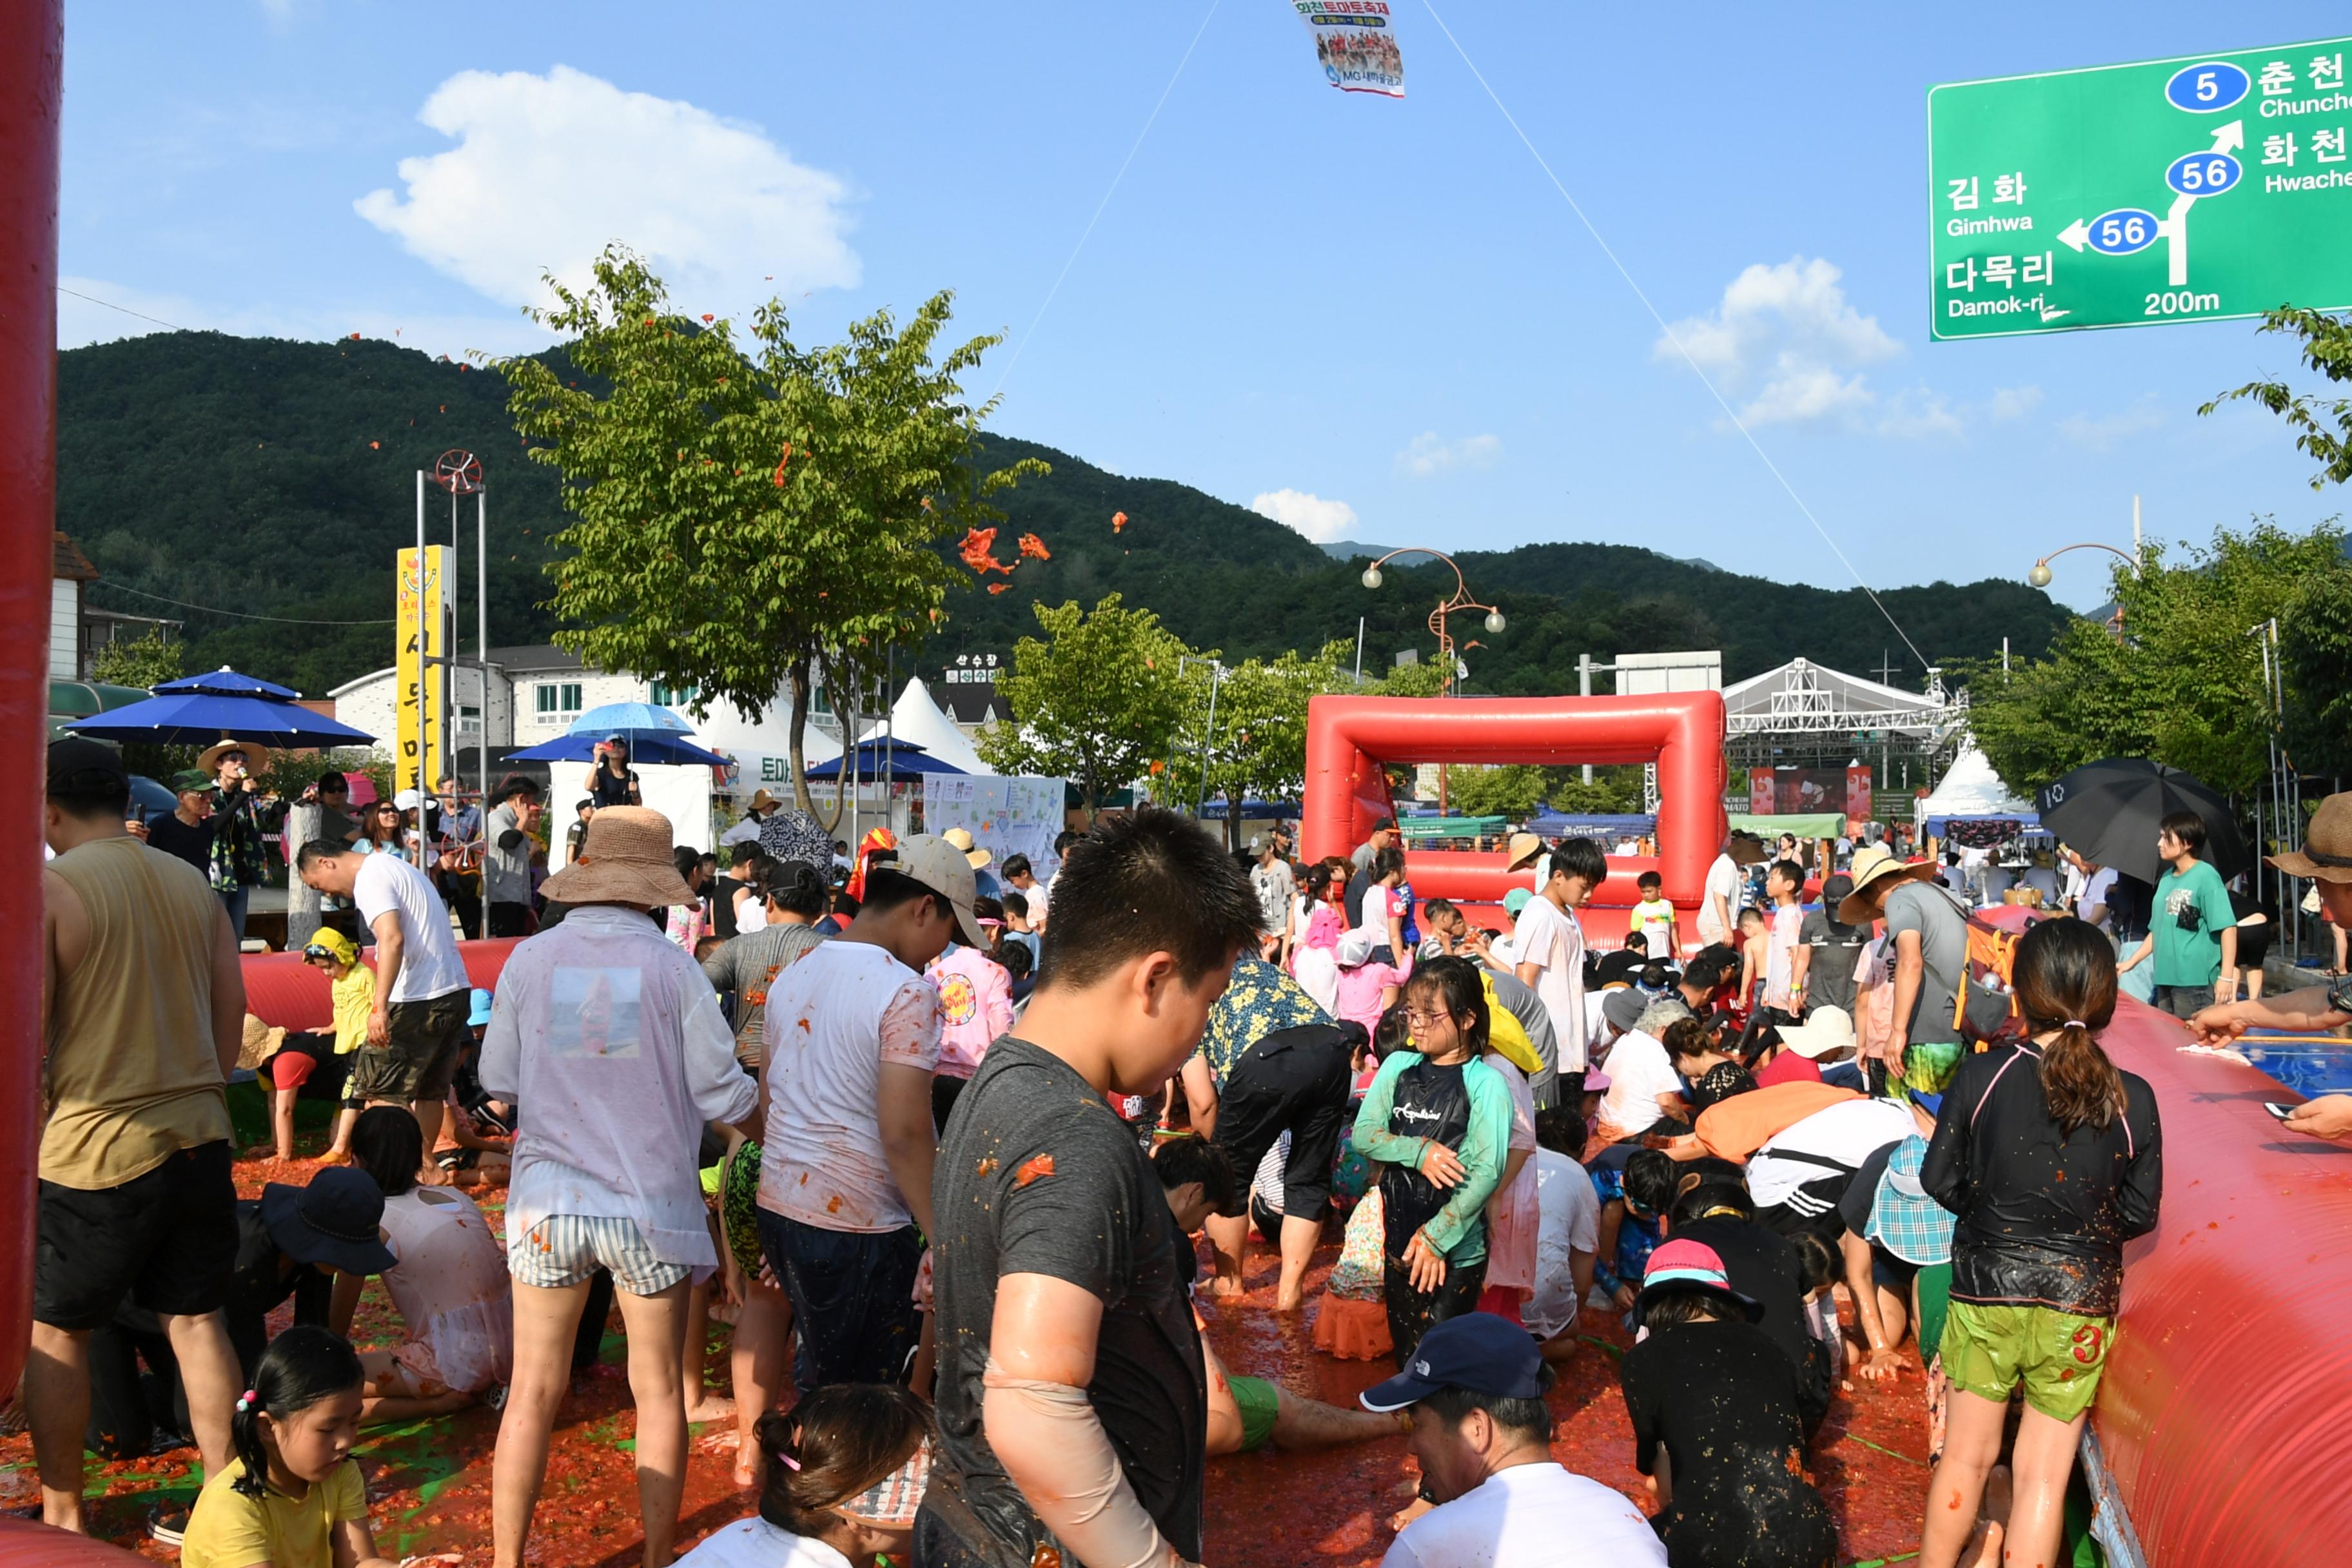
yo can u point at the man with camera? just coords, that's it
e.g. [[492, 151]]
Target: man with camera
[[2326, 858]]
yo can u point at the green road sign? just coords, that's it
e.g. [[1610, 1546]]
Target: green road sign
[[2199, 188]]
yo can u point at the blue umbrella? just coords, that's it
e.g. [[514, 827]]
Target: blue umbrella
[[628, 717], [226, 682], [199, 719], [904, 758], [653, 748]]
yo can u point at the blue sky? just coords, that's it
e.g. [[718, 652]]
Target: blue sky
[[1375, 319]]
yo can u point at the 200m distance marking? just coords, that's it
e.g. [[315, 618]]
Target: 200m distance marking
[[2180, 303]]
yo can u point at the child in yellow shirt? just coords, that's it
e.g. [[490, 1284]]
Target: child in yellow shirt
[[352, 984]]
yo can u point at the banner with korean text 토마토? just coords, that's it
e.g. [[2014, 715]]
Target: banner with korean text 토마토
[[422, 611]]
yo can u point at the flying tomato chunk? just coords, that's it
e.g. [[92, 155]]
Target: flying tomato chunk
[[1118, 522], [978, 552], [1034, 547], [780, 465]]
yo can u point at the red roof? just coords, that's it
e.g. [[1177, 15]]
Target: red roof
[[70, 562]]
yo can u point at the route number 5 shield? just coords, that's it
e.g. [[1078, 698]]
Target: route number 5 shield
[[2199, 188]]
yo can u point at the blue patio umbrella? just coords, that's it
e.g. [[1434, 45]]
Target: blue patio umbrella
[[900, 759], [628, 718], [650, 747], [226, 682], [201, 718]]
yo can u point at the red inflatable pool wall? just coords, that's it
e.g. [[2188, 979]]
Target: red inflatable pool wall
[[287, 994], [1350, 738], [2223, 1410]]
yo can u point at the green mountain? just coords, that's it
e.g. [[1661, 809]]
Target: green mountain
[[275, 479]]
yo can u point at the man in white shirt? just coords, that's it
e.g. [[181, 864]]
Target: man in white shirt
[[1644, 1088], [1550, 943], [614, 1039], [2098, 886], [422, 996], [853, 1039], [1483, 1436], [1567, 1232], [1272, 880], [1797, 1176], [1719, 901]]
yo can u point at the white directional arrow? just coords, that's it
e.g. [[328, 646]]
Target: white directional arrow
[[2074, 234], [2175, 227]]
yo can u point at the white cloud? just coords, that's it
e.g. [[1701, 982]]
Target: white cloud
[[2100, 432], [1319, 519], [1428, 456], [98, 311], [549, 169], [1785, 339], [1915, 414], [2014, 402]]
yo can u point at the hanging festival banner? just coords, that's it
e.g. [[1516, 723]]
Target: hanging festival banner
[[424, 612], [1355, 43]]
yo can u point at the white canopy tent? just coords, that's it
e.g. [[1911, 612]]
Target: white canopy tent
[[916, 717], [1971, 789]]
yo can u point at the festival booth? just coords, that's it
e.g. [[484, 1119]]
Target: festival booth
[[1972, 806], [1609, 827], [2220, 1428], [1349, 740]]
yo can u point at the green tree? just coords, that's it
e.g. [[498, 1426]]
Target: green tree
[[2323, 426], [147, 662], [2315, 647], [1099, 701], [1513, 790], [757, 519], [1257, 741], [2181, 682]]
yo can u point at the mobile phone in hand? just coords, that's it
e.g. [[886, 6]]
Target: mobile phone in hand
[[2281, 1111]]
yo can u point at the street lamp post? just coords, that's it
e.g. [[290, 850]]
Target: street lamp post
[[1460, 600], [2040, 575]]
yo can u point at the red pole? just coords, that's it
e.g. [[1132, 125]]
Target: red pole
[[32, 45]]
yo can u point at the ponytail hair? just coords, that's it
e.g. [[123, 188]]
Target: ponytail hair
[[2065, 979], [1454, 983], [302, 1367], [833, 1445]]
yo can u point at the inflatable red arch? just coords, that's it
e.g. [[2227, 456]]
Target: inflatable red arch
[[1350, 738]]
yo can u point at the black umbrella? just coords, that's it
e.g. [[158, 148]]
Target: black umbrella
[[2108, 812]]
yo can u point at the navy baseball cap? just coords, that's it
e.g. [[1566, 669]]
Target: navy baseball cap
[[1476, 1351]]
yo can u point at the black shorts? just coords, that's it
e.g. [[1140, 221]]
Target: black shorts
[[1294, 1080], [168, 1239], [420, 1056], [509, 920]]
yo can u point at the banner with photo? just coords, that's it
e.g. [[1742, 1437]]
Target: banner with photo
[[1355, 43], [1005, 816]]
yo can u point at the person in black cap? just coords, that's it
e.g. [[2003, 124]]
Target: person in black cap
[[317, 1244], [1483, 1436], [1716, 1427]]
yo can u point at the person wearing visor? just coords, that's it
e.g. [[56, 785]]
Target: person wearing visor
[[612, 782], [1483, 1437]]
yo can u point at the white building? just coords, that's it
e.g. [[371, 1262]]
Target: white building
[[538, 691]]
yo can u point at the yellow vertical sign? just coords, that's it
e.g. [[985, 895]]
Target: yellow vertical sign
[[423, 629]]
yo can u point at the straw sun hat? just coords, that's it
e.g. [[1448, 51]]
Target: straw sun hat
[[624, 860], [1871, 868], [256, 757], [2327, 852]]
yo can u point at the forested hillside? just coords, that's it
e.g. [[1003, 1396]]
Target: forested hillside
[[277, 478]]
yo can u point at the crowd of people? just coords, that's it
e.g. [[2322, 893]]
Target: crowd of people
[[955, 1142]]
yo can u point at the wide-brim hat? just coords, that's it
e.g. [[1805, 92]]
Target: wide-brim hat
[[2327, 852], [1744, 849], [1520, 848], [256, 757], [1677, 1267], [763, 800], [624, 858], [337, 1220], [962, 839], [260, 1042], [1876, 867], [1827, 1033]]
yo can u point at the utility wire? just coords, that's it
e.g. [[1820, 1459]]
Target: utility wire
[[1737, 423], [1148, 122], [240, 615], [124, 308]]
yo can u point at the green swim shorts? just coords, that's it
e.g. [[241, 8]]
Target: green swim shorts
[[1260, 1402], [2058, 1356]]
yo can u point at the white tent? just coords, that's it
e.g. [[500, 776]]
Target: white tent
[[915, 717], [1971, 788]]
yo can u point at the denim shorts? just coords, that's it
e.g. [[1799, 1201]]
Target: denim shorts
[[563, 1250]]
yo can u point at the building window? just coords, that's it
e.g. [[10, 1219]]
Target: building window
[[550, 698], [672, 696]]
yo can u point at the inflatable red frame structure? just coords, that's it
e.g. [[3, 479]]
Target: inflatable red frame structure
[[1350, 738]]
